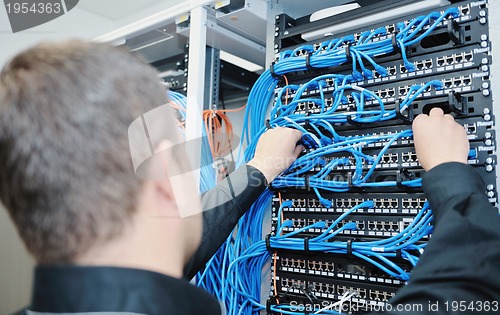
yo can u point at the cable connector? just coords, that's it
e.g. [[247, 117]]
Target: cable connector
[[455, 32], [368, 74], [325, 202], [348, 54], [410, 66], [382, 70], [306, 246], [307, 182], [287, 204], [349, 248], [352, 122], [403, 175], [395, 44], [409, 117], [457, 103], [268, 243], [308, 61], [357, 76], [274, 75], [268, 124], [326, 141]]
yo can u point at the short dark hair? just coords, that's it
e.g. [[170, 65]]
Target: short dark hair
[[66, 175]]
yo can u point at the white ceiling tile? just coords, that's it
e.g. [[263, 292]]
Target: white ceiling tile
[[116, 9]]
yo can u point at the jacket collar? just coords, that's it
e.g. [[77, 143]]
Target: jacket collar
[[76, 289]]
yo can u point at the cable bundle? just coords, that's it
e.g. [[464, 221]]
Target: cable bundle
[[207, 173], [353, 147], [333, 53], [243, 270], [219, 130]]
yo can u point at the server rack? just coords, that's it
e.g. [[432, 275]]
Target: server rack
[[456, 55]]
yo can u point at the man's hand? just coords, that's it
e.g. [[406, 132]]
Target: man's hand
[[439, 139], [276, 150]]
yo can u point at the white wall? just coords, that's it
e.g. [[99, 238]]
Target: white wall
[[15, 268], [76, 23]]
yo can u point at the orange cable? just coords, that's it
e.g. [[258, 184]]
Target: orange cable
[[286, 95], [219, 132], [275, 284], [233, 110], [275, 258]]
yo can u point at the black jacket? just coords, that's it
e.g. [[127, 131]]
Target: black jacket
[[461, 262]]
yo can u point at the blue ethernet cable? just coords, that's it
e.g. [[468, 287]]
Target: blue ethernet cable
[[373, 252], [207, 172]]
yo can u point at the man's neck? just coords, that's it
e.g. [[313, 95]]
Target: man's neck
[[143, 247]]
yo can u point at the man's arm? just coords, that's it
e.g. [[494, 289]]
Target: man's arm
[[461, 260], [225, 204]]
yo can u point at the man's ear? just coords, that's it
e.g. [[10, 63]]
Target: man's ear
[[173, 178]]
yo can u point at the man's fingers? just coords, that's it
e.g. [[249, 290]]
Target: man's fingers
[[297, 134], [298, 149], [436, 111], [419, 120], [449, 117]]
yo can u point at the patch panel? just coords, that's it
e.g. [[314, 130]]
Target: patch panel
[[406, 157], [322, 288], [438, 63], [334, 267], [459, 99], [370, 226], [391, 28], [396, 204], [402, 157], [459, 95], [412, 205], [453, 59], [289, 30], [292, 285], [456, 58], [314, 288], [478, 129], [463, 82], [447, 60], [382, 175], [420, 65]]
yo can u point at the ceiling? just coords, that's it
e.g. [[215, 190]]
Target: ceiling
[[117, 9], [93, 18], [88, 20], [297, 9]]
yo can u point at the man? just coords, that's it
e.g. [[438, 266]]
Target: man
[[106, 241], [67, 180]]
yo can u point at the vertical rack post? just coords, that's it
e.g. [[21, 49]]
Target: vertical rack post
[[196, 84], [494, 10], [212, 77]]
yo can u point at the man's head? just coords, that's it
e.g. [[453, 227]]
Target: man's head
[[66, 175]]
